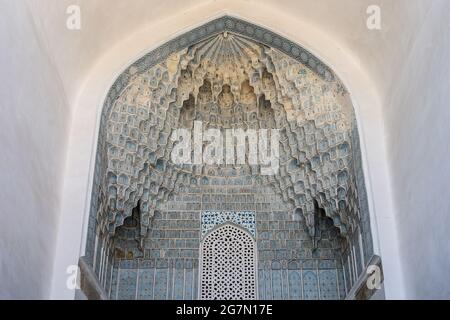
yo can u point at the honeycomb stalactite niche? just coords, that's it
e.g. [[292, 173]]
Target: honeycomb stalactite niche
[[228, 265], [229, 81], [226, 75]]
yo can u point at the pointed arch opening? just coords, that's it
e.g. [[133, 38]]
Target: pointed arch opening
[[229, 74]]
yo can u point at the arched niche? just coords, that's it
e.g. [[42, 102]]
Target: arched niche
[[346, 204]]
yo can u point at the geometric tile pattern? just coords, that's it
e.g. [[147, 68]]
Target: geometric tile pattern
[[228, 265], [244, 219], [169, 266]]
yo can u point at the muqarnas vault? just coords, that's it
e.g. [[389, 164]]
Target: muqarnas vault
[[160, 230]]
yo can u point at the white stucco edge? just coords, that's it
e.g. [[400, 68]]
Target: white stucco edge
[[89, 102]]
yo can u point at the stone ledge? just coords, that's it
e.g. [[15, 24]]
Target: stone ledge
[[90, 286]]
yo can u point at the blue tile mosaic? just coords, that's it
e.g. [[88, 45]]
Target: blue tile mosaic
[[328, 285], [146, 277], [295, 285], [310, 285], [246, 220]]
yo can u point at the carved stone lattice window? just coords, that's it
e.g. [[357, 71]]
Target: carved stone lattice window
[[228, 265]]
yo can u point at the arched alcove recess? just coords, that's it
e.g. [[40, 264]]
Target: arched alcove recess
[[284, 85]]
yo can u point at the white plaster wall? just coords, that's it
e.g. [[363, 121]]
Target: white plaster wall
[[417, 113], [33, 121]]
